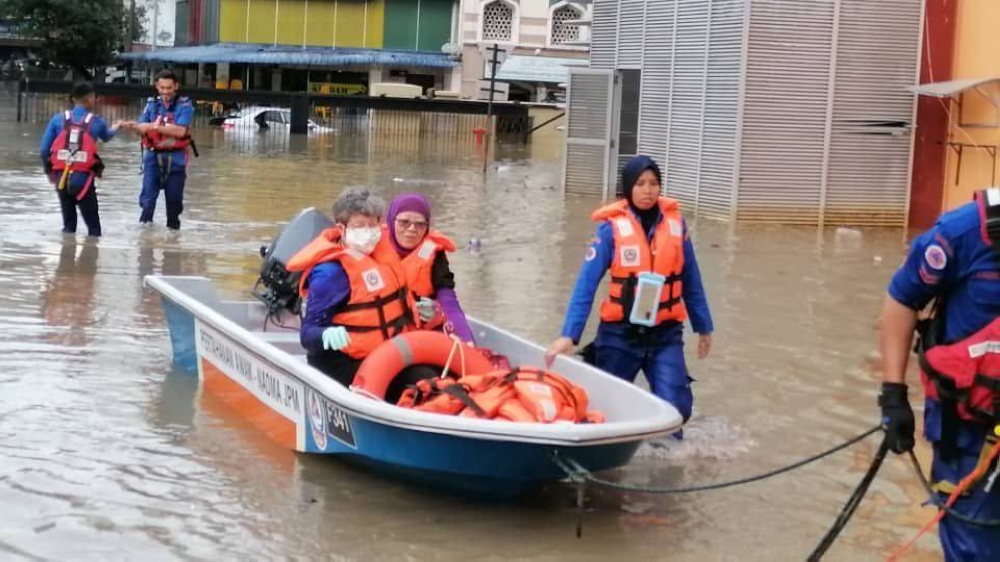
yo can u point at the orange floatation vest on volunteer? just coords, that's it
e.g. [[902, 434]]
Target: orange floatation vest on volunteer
[[634, 254], [162, 143], [75, 150], [419, 264], [379, 306]]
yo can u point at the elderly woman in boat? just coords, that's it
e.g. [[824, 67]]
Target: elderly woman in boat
[[428, 275], [354, 286]]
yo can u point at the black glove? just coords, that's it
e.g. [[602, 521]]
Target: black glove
[[897, 417]]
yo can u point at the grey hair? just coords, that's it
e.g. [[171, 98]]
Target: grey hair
[[357, 201]]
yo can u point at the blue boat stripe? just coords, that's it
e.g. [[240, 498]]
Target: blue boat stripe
[[404, 350]]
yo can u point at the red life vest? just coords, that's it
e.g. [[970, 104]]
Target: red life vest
[[378, 307], [965, 375], [75, 148], [635, 254], [419, 264], [158, 142]]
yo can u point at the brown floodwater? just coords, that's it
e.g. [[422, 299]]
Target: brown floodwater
[[107, 452]]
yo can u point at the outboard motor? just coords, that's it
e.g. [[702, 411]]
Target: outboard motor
[[277, 287]]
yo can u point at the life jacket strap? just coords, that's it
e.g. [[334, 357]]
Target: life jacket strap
[[377, 303]]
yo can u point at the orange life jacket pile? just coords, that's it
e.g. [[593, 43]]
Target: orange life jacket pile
[[521, 395]]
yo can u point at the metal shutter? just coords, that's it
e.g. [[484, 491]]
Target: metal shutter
[[589, 94], [718, 146], [787, 79], [630, 32], [657, 76], [869, 163], [604, 34], [686, 104]]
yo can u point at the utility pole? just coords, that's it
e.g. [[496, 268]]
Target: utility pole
[[489, 107], [156, 14], [131, 27]]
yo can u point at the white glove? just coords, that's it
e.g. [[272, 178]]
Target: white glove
[[426, 309], [335, 338]]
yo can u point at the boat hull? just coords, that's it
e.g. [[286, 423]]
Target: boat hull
[[302, 414]]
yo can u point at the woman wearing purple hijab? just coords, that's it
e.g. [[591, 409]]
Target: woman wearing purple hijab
[[428, 275]]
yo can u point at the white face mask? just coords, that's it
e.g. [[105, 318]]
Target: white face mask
[[363, 240]]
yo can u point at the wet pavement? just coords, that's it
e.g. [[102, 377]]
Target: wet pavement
[[109, 453]]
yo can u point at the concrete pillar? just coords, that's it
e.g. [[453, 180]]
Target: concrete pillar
[[300, 115]]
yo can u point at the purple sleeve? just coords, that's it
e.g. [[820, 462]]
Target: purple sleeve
[[453, 312], [328, 288]]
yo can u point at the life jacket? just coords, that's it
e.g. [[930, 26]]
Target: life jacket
[[76, 149], [964, 375], [378, 307], [158, 142], [419, 264], [527, 395], [634, 254]]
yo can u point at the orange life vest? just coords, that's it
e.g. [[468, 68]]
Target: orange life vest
[[379, 306], [634, 255], [419, 264], [163, 143], [526, 395]]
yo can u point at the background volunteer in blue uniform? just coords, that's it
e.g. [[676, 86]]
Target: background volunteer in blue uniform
[[83, 104], [622, 348], [166, 116], [954, 262]]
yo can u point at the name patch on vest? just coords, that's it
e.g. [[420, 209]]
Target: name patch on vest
[[373, 280], [64, 155], [629, 256], [426, 251], [624, 227], [982, 348]]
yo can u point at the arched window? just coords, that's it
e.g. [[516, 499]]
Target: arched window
[[559, 31], [498, 22]]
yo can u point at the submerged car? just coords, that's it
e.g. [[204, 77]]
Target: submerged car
[[267, 119]]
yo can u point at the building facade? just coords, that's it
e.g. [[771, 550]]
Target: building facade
[[958, 120], [335, 46], [793, 111], [539, 38]]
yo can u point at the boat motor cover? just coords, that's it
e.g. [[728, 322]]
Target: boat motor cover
[[280, 287]]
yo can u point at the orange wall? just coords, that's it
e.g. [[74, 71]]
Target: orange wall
[[977, 44]]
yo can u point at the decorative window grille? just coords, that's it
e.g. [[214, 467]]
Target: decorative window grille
[[561, 31], [498, 21]]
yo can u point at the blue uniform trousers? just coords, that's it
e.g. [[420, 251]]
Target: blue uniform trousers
[[659, 354], [161, 174]]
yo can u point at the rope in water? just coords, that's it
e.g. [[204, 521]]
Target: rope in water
[[580, 476], [577, 473]]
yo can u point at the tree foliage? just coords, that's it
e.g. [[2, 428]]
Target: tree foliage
[[80, 34]]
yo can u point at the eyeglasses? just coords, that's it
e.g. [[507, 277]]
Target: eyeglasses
[[403, 224]]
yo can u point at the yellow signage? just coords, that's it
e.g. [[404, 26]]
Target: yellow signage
[[338, 89]]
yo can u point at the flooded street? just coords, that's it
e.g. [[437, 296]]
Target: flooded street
[[107, 452]]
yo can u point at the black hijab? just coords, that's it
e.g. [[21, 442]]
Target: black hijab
[[630, 174]]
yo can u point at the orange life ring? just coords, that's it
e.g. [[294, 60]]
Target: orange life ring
[[419, 347]]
